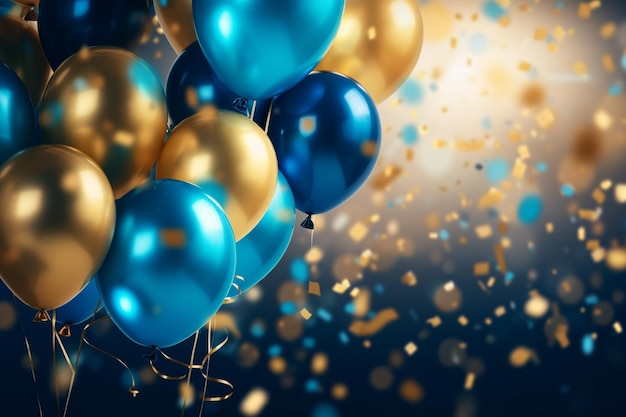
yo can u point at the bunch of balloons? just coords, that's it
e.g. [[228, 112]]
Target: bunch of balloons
[[270, 107]]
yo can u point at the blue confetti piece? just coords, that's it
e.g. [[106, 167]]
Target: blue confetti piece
[[587, 344], [257, 330], [493, 10], [410, 135], [530, 209], [379, 289], [312, 385], [288, 307], [508, 277], [414, 315], [274, 350], [324, 314], [350, 308], [412, 92], [324, 410], [541, 167], [444, 235], [560, 5], [299, 270], [486, 123], [497, 170], [308, 343], [624, 62], [478, 43], [434, 87], [615, 89], [343, 336], [568, 190], [591, 300]]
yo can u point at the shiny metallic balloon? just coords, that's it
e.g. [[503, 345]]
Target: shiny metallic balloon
[[17, 116], [171, 263], [109, 104], [56, 223], [260, 48], [176, 19], [82, 307], [327, 135], [263, 248], [230, 158], [21, 50], [27, 3], [378, 44]]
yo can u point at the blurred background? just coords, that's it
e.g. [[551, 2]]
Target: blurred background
[[480, 271]]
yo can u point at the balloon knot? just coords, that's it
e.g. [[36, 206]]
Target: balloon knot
[[151, 354], [41, 317], [241, 105], [29, 13], [308, 223], [65, 331]]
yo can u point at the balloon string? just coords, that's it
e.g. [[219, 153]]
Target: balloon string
[[78, 351], [312, 231], [31, 362], [211, 351], [230, 300], [252, 110], [132, 389], [54, 361], [269, 116], [190, 366]]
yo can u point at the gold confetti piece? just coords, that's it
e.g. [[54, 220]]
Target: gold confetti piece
[[524, 66], [560, 333], [339, 391], [481, 268], [388, 175], [314, 288], [434, 321], [314, 255], [558, 33], [484, 231], [341, 287], [617, 326], [521, 355], [470, 378], [306, 314], [523, 152], [519, 169], [500, 311], [616, 259], [319, 363], [599, 196], [433, 235], [375, 325], [410, 348], [603, 120], [463, 321], [584, 11], [549, 227], [595, 4], [608, 30], [545, 119], [536, 307], [586, 214], [358, 232], [409, 278], [355, 292], [606, 184], [609, 65], [580, 68], [440, 144], [498, 251], [541, 34], [254, 402], [592, 244], [491, 282], [515, 136], [448, 286], [488, 321], [598, 255], [581, 233], [620, 193], [491, 198], [483, 287], [553, 47]]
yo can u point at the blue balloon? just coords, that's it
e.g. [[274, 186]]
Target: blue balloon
[[326, 132], [530, 209], [192, 84], [6, 6], [82, 307], [261, 249], [65, 26], [170, 265], [17, 116], [260, 48]]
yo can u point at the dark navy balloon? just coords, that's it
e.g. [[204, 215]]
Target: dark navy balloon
[[170, 265], [261, 249], [65, 26], [192, 84], [82, 307], [17, 116], [326, 132]]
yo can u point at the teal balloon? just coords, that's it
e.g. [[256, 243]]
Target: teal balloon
[[82, 307], [262, 249], [170, 265], [530, 209], [260, 48], [17, 115]]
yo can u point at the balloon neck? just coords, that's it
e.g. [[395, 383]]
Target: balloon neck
[[241, 105], [65, 331], [308, 223], [29, 14], [151, 354], [41, 317]]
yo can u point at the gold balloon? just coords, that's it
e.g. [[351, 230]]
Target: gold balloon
[[228, 156], [56, 223], [378, 44], [28, 3], [176, 18], [21, 50], [109, 104]]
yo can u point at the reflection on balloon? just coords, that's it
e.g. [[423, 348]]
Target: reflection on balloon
[[56, 223], [66, 26], [192, 85], [261, 249], [109, 104], [21, 50], [326, 132], [17, 116], [171, 263], [176, 20], [230, 158], [261, 48], [378, 44]]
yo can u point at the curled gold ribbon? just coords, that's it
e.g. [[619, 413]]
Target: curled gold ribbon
[[211, 351], [230, 300]]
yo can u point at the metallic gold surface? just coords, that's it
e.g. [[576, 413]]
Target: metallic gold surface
[[56, 223], [176, 19], [29, 3], [378, 44], [21, 50], [230, 158], [109, 104]]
